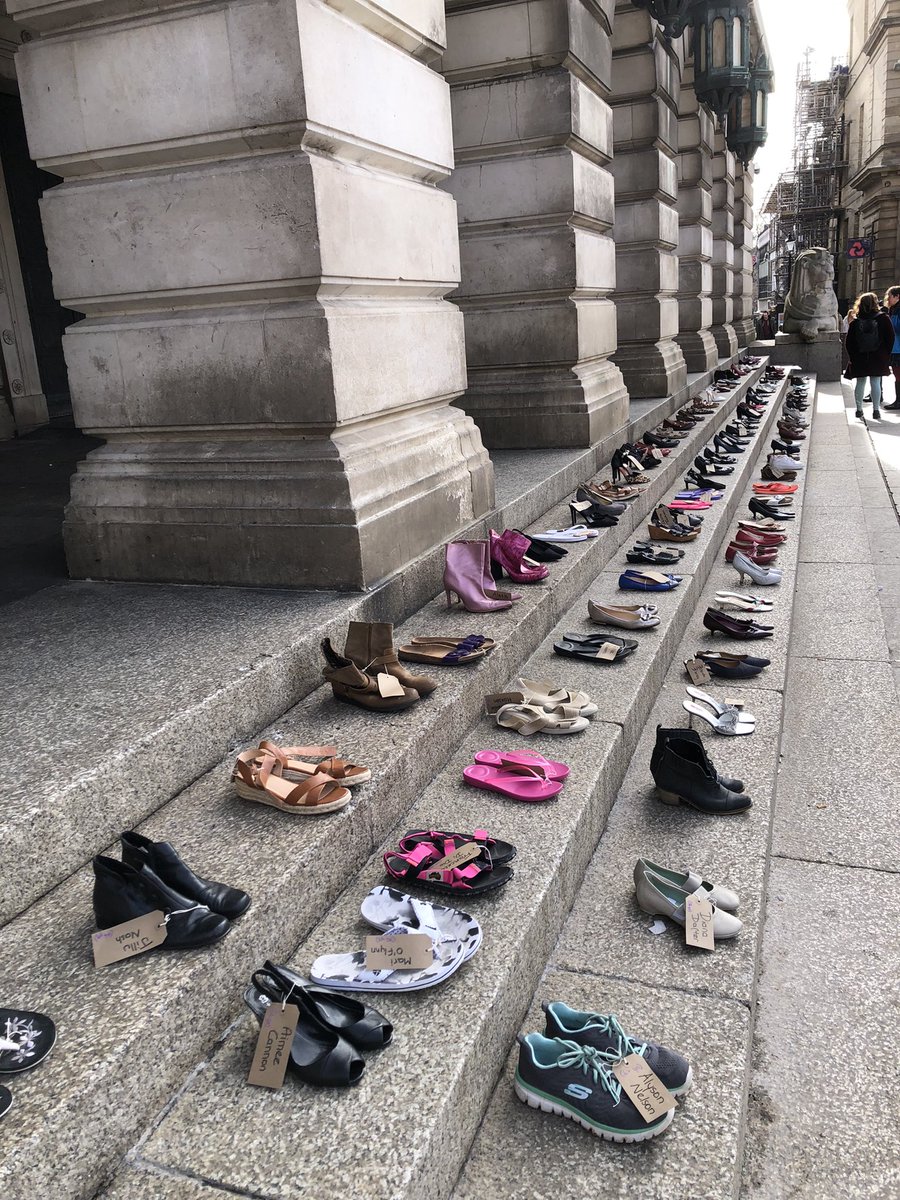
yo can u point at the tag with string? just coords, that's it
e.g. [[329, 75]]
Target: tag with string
[[129, 938], [273, 1047], [644, 1088], [698, 671]]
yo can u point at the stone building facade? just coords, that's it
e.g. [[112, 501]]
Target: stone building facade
[[871, 111], [331, 253]]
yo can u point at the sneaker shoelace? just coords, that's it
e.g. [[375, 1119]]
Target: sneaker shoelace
[[593, 1062]]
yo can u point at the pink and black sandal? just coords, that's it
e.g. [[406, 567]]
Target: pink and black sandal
[[494, 853], [528, 758], [517, 780], [474, 878]]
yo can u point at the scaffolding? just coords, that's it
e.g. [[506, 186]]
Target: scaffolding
[[804, 204]]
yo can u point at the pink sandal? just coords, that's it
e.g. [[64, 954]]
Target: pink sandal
[[527, 758], [519, 781]]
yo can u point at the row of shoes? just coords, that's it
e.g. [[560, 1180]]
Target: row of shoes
[[26, 1038]]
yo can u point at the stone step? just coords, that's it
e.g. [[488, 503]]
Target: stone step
[[608, 960], [128, 1037], [154, 685], [296, 869]]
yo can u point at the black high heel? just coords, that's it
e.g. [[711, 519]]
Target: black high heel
[[362, 1026], [319, 1055], [592, 516]]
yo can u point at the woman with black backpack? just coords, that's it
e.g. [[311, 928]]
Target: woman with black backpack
[[870, 340]]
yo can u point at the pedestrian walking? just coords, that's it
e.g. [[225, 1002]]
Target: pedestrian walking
[[870, 341], [892, 308]]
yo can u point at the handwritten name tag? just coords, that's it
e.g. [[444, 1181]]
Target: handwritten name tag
[[128, 939], [644, 1088], [698, 923], [273, 1047]]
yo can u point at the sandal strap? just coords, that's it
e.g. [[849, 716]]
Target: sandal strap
[[537, 718]]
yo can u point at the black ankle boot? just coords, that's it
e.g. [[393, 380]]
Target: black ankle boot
[[683, 773], [163, 861], [689, 735], [122, 893]]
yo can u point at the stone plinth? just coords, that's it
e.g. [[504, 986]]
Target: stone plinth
[[822, 355], [723, 314], [533, 136], [262, 255], [695, 239]]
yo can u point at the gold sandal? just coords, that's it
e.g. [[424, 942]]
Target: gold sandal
[[258, 777], [335, 768]]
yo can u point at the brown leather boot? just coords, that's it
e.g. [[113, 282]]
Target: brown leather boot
[[370, 646], [356, 687]]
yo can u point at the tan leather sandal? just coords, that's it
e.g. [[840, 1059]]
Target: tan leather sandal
[[335, 768], [379, 693], [258, 777]]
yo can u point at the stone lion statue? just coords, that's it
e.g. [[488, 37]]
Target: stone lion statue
[[811, 306]]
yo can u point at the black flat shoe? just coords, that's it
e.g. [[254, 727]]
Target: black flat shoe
[[659, 558], [26, 1038], [123, 893], [576, 645], [542, 551], [319, 1055], [739, 628], [733, 666], [711, 468], [363, 1027], [759, 508], [163, 861]]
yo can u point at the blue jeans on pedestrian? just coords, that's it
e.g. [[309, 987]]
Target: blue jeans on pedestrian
[[859, 390]]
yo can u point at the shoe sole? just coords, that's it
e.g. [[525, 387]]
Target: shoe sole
[[674, 799], [547, 1104]]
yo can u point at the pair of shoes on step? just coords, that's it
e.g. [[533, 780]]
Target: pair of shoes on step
[[153, 878], [684, 774], [369, 674], [284, 778], [571, 1070], [539, 706]]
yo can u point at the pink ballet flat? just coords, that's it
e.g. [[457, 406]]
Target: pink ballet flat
[[516, 780], [527, 758]]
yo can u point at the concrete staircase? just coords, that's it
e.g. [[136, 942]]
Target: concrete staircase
[[152, 1057]]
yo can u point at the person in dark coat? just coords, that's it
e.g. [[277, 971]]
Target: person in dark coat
[[891, 306], [870, 340]]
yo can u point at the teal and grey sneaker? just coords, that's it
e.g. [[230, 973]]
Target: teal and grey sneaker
[[577, 1082], [606, 1034]]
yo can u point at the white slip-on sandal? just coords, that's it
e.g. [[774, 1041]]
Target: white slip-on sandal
[[729, 723], [527, 719], [348, 973], [575, 533], [551, 697], [386, 907]]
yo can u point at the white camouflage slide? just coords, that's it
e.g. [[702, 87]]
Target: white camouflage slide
[[386, 907], [348, 973]]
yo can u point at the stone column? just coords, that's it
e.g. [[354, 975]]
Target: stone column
[[743, 257], [646, 85], [695, 239], [250, 223], [533, 134], [723, 248]]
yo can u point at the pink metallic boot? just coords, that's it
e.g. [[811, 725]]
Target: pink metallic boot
[[467, 574], [507, 551]]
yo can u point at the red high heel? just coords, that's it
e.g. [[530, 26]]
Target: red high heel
[[760, 556], [507, 551]]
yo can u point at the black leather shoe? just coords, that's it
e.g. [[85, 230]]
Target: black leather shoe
[[691, 735], [684, 774], [122, 893], [735, 627], [733, 666], [542, 551], [759, 508], [711, 468], [163, 861], [319, 1055], [362, 1026]]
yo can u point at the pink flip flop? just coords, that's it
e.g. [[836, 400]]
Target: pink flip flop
[[688, 505], [519, 781], [527, 758]]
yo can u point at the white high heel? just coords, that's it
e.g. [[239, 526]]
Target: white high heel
[[761, 576], [728, 723], [718, 708]]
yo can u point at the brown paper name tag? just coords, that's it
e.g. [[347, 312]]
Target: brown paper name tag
[[697, 670], [776, 471], [656, 453], [581, 505], [644, 1088], [389, 686], [608, 651], [698, 923], [273, 1049], [129, 938], [399, 952], [456, 858]]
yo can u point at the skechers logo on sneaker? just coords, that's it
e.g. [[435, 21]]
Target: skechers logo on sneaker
[[577, 1091]]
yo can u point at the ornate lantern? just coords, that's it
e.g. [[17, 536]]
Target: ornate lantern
[[748, 116], [721, 52], [673, 15]]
